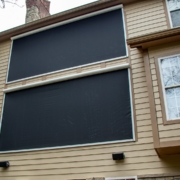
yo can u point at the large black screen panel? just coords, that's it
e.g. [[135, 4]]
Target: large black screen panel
[[93, 109], [89, 40]]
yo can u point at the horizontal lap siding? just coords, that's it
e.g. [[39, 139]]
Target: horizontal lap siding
[[4, 58], [145, 17], [96, 161], [92, 161], [168, 132]]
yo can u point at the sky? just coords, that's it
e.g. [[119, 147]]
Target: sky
[[13, 16]]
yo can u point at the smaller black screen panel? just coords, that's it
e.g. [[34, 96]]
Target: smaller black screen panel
[[86, 41], [93, 109]]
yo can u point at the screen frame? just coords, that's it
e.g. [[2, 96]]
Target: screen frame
[[92, 72], [61, 24]]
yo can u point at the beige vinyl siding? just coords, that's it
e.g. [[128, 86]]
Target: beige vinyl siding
[[96, 161], [4, 58], [168, 132], [145, 17]]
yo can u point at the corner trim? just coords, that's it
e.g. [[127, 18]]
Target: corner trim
[[151, 99]]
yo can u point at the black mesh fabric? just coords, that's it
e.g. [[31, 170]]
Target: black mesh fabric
[[82, 42], [91, 109]]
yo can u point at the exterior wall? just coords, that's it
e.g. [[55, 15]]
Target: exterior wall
[[167, 132], [96, 161], [4, 58], [146, 17]]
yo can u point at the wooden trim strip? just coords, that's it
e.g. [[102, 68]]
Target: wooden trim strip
[[151, 99]]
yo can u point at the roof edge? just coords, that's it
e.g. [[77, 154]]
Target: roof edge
[[72, 13], [156, 38]]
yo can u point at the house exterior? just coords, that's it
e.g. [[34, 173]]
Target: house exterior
[[140, 118]]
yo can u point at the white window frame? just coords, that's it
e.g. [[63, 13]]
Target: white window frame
[[61, 24], [168, 87], [122, 178], [169, 13]]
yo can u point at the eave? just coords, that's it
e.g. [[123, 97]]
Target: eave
[[82, 10], [154, 39]]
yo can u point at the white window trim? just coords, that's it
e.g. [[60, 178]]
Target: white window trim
[[63, 23], [168, 87], [169, 14], [123, 178]]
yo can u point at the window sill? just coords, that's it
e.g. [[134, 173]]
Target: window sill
[[175, 121]]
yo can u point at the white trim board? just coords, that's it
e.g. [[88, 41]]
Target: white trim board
[[68, 77], [63, 70], [131, 102]]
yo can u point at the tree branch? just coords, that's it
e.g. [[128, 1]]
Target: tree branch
[[11, 2], [3, 3]]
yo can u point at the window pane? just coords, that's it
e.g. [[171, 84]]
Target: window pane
[[170, 93], [174, 61], [171, 102], [171, 71], [167, 76], [173, 114], [166, 72], [176, 74], [165, 63], [177, 91], [173, 4], [167, 81], [178, 101], [175, 16]]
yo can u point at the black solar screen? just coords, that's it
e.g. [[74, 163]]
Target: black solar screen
[[91, 109], [90, 40]]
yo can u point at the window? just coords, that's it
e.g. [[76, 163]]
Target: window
[[88, 39], [174, 12], [170, 75], [85, 111]]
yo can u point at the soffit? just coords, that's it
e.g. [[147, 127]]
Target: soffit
[[154, 39]]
